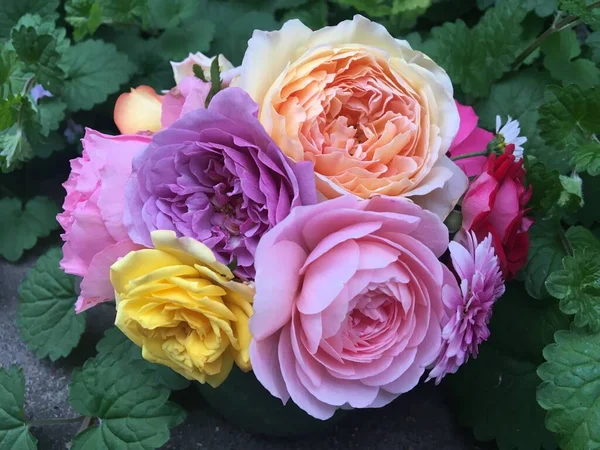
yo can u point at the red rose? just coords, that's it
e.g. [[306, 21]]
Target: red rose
[[496, 203]]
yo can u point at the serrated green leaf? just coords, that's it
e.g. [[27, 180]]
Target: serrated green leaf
[[46, 315], [590, 212], [568, 122], [15, 148], [582, 239], [580, 8], [9, 111], [313, 14], [475, 58], [542, 8], [189, 37], [51, 113], [553, 195], [234, 24], [571, 389], [134, 410], [22, 227], [38, 51], [168, 15], [593, 42], [384, 8], [94, 69], [44, 26], [520, 95], [495, 393], [12, 10], [84, 15], [153, 69], [577, 286], [546, 252], [14, 432], [115, 347], [561, 49]]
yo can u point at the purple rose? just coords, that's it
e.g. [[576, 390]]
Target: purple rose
[[216, 175]]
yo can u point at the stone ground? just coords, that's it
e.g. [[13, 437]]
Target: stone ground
[[419, 420]]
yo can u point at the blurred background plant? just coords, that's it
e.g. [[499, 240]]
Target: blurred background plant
[[64, 62]]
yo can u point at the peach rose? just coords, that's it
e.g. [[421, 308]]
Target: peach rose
[[371, 113]]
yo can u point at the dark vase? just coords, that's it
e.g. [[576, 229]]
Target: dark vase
[[245, 403]]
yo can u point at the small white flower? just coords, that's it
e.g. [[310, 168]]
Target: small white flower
[[510, 132]]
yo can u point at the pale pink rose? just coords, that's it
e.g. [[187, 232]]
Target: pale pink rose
[[185, 68], [95, 236], [348, 303], [188, 95], [375, 116], [470, 139]]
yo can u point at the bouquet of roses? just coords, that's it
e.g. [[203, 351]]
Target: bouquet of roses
[[326, 215]]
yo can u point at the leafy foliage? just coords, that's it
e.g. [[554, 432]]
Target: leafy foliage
[[14, 432], [495, 393], [115, 347], [46, 316], [134, 409], [577, 286], [476, 57], [571, 389], [580, 8], [22, 227], [569, 121], [95, 69]]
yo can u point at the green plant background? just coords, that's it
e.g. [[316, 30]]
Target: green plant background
[[536, 383]]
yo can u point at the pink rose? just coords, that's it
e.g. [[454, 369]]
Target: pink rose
[[95, 236], [348, 303], [188, 95], [470, 139], [496, 204]]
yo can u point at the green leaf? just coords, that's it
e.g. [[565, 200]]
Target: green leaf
[[593, 42], [192, 36], [495, 393], [14, 432], [546, 252], [9, 111], [553, 195], [12, 73], [475, 58], [22, 227], [15, 148], [46, 314], [569, 119], [167, 15], [134, 410], [590, 16], [582, 239], [384, 8], [51, 113], [234, 24], [153, 68], [115, 347], [542, 8], [590, 213], [571, 389], [577, 286], [561, 50], [94, 69], [84, 15], [12, 10], [38, 51], [313, 14], [520, 95]]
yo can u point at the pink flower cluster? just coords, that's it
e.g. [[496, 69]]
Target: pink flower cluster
[[356, 299]]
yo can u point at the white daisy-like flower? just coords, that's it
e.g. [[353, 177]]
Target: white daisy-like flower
[[510, 132]]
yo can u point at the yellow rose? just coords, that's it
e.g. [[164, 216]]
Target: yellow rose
[[374, 116], [182, 307]]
